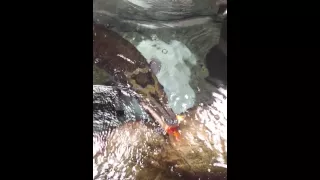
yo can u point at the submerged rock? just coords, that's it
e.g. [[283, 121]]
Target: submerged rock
[[137, 150], [188, 21], [114, 106], [199, 34], [156, 9]]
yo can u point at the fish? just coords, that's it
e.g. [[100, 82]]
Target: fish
[[170, 129], [119, 58], [134, 151]]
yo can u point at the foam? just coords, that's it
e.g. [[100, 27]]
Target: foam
[[174, 74]]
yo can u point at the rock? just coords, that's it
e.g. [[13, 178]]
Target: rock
[[104, 108], [100, 77], [199, 34], [168, 19], [216, 59], [136, 150], [148, 10], [113, 106]]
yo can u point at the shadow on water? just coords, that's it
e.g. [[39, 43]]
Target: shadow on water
[[216, 64], [216, 59]]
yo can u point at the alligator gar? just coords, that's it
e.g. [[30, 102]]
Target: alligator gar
[[125, 63]]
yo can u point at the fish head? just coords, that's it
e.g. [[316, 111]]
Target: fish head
[[164, 116]]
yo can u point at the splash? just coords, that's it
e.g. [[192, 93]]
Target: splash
[[170, 64]]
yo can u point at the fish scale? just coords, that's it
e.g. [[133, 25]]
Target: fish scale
[[120, 58]]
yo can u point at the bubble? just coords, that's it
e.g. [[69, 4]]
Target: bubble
[[154, 37], [164, 51]]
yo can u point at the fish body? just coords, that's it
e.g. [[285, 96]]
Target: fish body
[[121, 59], [133, 149]]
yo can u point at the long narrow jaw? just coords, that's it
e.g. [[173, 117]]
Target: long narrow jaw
[[161, 110], [164, 116]]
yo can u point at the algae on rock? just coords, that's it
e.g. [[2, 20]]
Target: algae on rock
[[99, 76]]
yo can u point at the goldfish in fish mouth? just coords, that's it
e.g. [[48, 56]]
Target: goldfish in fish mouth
[[119, 58]]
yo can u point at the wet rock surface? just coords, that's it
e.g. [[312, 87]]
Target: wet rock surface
[[192, 22], [104, 108], [114, 106], [156, 9]]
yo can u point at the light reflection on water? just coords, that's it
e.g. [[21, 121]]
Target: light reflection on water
[[136, 151]]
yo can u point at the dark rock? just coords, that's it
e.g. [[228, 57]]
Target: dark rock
[[113, 106], [216, 62], [216, 59]]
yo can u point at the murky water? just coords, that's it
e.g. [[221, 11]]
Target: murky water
[[137, 150]]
